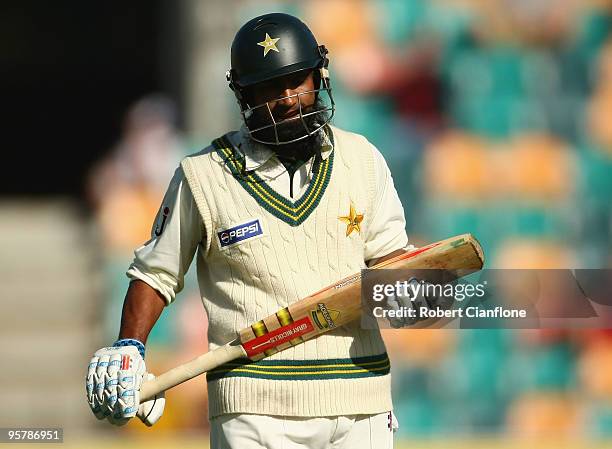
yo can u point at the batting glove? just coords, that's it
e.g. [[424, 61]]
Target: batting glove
[[418, 299], [113, 382]]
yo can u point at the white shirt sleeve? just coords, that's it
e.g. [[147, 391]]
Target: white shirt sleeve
[[177, 230], [387, 230]]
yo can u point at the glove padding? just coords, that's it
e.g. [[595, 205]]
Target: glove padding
[[417, 299], [113, 382]]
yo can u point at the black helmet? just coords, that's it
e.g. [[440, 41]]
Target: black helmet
[[271, 46]]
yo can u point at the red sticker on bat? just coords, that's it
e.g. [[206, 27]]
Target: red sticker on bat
[[278, 336]]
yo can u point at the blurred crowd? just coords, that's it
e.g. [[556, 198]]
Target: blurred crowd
[[494, 117]]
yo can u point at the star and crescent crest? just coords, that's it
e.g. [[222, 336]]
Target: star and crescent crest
[[353, 221], [268, 44]]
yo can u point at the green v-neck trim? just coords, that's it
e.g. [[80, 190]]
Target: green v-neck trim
[[292, 213]]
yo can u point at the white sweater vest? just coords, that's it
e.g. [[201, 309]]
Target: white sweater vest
[[263, 252]]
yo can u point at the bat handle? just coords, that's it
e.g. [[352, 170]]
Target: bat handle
[[189, 370]]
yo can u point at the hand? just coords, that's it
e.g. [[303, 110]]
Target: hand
[[420, 296], [113, 387]]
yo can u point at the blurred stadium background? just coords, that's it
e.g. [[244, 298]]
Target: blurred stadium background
[[495, 117]]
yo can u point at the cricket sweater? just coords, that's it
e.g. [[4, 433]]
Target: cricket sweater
[[262, 252]]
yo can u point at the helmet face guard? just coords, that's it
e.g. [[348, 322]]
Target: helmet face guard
[[271, 131], [288, 47]]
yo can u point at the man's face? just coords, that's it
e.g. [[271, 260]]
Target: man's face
[[292, 89], [284, 96]]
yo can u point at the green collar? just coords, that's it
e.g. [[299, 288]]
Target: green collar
[[291, 212]]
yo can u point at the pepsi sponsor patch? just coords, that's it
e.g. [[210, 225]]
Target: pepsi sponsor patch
[[240, 233]]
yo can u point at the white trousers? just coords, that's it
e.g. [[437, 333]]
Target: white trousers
[[277, 432]]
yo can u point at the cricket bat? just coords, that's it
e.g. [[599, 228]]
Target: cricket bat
[[311, 316]]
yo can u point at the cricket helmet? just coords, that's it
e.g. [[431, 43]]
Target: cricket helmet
[[271, 46]]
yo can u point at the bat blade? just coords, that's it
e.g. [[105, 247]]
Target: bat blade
[[323, 311], [340, 303]]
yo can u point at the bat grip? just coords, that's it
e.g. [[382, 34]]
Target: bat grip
[[189, 370]]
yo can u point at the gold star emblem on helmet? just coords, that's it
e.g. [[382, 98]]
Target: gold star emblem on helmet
[[269, 44], [353, 221]]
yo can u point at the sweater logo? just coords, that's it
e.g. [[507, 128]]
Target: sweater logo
[[353, 221], [240, 233]]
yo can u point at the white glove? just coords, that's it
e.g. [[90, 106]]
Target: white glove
[[415, 301], [113, 387]]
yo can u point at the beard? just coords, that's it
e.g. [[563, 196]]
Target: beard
[[293, 129]]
